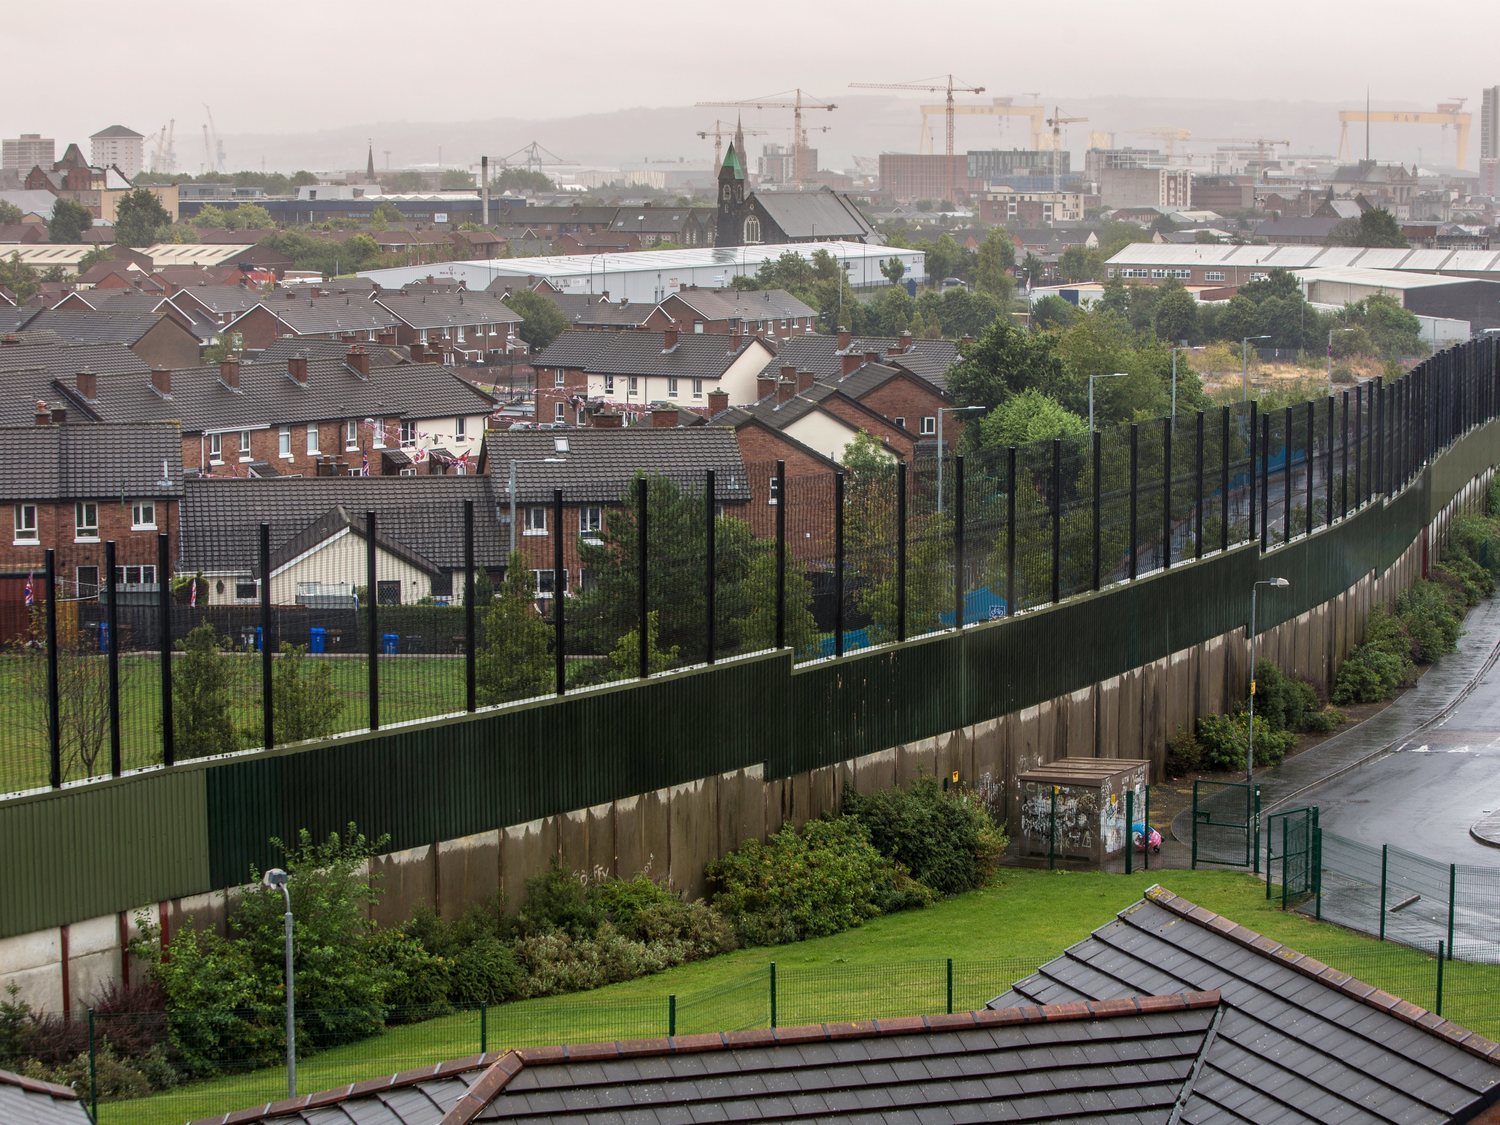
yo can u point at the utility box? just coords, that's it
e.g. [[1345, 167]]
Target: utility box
[[1073, 810]]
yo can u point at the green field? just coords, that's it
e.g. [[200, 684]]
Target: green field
[[891, 966]]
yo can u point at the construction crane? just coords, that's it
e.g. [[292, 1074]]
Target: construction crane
[[948, 88], [796, 105], [1448, 113], [213, 147], [532, 161], [1169, 136], [721, 130], [999, 107], [163, 157], [1057, 121]]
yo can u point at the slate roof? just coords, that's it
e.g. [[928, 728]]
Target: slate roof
[[601, 464], [318, 316], [1297, 1041], [421, 516], [39, 1103], [284, 348], [779, 415], [66, 359], [232, 299], [447, 310], [586, 309], [1121, 1060], [108, 326], [735, 304], [695, 356], [820, 354], [815, 214], [92, 459], [657, 220], [14, 317]]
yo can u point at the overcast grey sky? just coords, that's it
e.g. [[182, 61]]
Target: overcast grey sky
[[331, 63]]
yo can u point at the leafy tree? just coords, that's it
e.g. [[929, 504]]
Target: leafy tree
[[996, 258], [385, 212], [944, 259], [18, 277], [1080, 263], [960, 312], [211, 217], [305, 702], [1375, 227], [1391, 331], [1175, 315], [455, 179], [10, 213], [69, 221], [1027, 417], [889, 313], [929, 582], [1053, 312], [140, 218], [302, 178], [1002, 361], [625, 657], [93, 257], [520, 180], [543, 321], [512, 658], [203, 692], [894, 270], [1032, 269], [249, 216]]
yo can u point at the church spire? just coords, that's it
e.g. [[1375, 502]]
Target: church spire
[[370, 162], [739, 138]]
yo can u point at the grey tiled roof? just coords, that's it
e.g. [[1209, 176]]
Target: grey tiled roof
[[90, 459], [445, 310], [422, 515], [820, 354], [124, 326], [284, 348], [732, 304], [318, 316], [657, 220], [233, 299], [39, 1103], [601, 464], [14, 317], [695, 356], [1296, 1042], [63, 359], [815, 214], [587, 310], [574, 348]]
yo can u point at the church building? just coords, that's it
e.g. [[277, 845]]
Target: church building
[[749, 218]]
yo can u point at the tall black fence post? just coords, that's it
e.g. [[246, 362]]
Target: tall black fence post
[[267, 692], [958, 542], [112, 658], [372, 623], [642, 606], [164, 644], [1359, 448], [1166, 492], [838, 563], [1344, 457], [1380, 461], [1252, 475], [710, 503], [1286, 478], [1135, 470], [1224, 509], [781, 554], [559, 597], [54, 705], [1328, 467], [1056, 520], [1010, 530], [1310, 461], [1265, 481], [1198, 487], [471, 639], [1097, 459], [901, 550]]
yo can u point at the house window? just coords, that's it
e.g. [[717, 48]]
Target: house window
[[900, 421], [697, 388], [672, 386], [633, 386], [351, 434], [216, 449], [929, 424], [591, 521], [545, 582], [560, 412], [143, 515], [409, 471], [246, 591], [26, 523], [1214, 275], [135, 575], [244, 445], [557, 378], [284, 442], [752, 229], [88, 582], [379, 433], [85, 520], [312, 438], [698, 327], [536, 521], [775, 491], [609, 384], [408, 432], [460, 429]]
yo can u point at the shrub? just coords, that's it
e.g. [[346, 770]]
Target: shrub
[[940, 838], [1430, 620], [1324, 721], [1184, 754], [557, 961], [822, 880], [417, 979], [645, 911], [1468, 582], [114, 1077], [1478, 538], [1225, 740], [558, 900], [1370, 674], [1385, 632], [484, 971], [1284, 703]]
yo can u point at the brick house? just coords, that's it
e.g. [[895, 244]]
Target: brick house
[[681, 226], [287, 313], [74, 487], [596, 469], [772, 313], [159, 340], [467, 326]]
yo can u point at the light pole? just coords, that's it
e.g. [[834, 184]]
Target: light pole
[[513, 464], [942, 449], [1182, 347], [1278, 584], [1114, 375], [1245, 365], [1331, 331], [277, 878]]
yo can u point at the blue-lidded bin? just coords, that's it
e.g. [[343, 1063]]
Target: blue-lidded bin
[[317, 639], [389, 643], [104, 636], [260, 641]]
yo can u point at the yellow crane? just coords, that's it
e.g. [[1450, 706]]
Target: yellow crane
[[723, 129], [1169, 136], [1057, 121], [949, 89], [998, 107], [1447, 114], [777, 101]]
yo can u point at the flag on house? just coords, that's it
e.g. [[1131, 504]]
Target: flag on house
[[30, 594], [364, 464], [193, 595]]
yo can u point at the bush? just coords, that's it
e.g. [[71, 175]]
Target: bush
[[1468, 583], [1370, 673], [484, 972], [1283, 702], [822, 880], [1324, 721], [556, 961], [1478, 538], [558, 900], [1428, 615], [1184, 754], [1225, 740], [946, 842], [645, 911], [418, 980], [1385, 632]]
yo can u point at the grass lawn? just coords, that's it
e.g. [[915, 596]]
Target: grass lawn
[[892, 966]]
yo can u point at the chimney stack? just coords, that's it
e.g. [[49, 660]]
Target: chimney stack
[[805, 380], [607, 420], [718, 401], [872, 356], [785, 389], [965, 340], [386, 336], [905, 341], [43, 415], [88, 384], [10, 340], [765, 385], [161, 379], [788, 371], [296, 367], [359, 359], [664, 418], [229, 372], [59, 414], [849, 363], [845, 337], [669, 337]]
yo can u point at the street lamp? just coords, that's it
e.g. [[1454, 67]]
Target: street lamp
[[277, 878], [1114, 375], [1182, 347], [1245, 365], [942, 449], [1331, 331], [514, 462], [1278, 584]]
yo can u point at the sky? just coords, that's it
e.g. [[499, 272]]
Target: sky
[[328, 64]]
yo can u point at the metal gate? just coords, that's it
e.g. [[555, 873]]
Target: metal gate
[[1226, 823], [1293, 841]]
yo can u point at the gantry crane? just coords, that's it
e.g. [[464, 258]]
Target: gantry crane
[[948, 88], [1448, 113], [799, 134], [213, 147], [1057, 121], [721, 130], [998, 107]]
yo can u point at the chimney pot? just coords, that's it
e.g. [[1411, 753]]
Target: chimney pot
[[10, 340], [359, 359], [845, 337], [788, 371], [59, 414], [229, 371], [88, 384], [43, 415], [765, 386], [161, 379]]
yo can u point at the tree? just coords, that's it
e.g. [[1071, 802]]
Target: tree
[[140, 218], [18, 277], [960, 312], [520, 180], [69, 221], [944, 259], [625, 657], [385, 212], [93, 258], [996, 258], [888, 313], [1001, 362], [1028, 417], [894, 270], [249, 216], [1176, 312], [542, 320], [1375, 227], [455, 179], [203, 696], [211, 217], [302, 178], [305, 702], [10, 213], [929, 583], [1032, 269], [1080, 263], [512, 659], [1390, 330], [1053, 312]]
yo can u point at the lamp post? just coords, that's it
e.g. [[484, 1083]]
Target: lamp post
[[277, 878], [1278, 584], [1182, 347], [513, 464], [1331, 331], [943, 449], [1113, 375], [1245, 365]]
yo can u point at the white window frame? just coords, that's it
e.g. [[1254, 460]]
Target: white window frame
[[85, 530], [379, 433], [314, 437], [591, 521], [408, 433], [351, 435], [671, 386], [609, 384], [560, 411], [929, 424], [558, 378], [143, 515], [143, 575], [534, 519], [26, 532], [215, 449], [460, 429], [409, 471], [775, 493], [633, 385], [900, 420], [697, 388], [1214, 275], [245, 454], [284, 442], [239, 595], [546, 592]]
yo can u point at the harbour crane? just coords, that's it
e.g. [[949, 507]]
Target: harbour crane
[[1057, 121], [796, 105], [721, 130], [213, 146], [949, 89], [1448, 114]]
